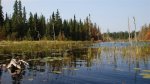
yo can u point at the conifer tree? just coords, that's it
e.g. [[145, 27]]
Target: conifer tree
[[31, 29], [1, 16], [58, 24], [24, 15], [18, 26]]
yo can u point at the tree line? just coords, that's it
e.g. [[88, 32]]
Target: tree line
[[109, 36], [37, 27], [18, 27], [144, 34]]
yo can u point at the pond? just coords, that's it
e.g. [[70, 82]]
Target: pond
[[102, 63]]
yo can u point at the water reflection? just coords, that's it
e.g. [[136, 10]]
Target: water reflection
[[1, 71], [16, 75], [120, 65]]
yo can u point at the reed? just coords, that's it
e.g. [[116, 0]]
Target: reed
[[9, 47]]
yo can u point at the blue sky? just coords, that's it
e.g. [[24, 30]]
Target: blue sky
[[108, 14]]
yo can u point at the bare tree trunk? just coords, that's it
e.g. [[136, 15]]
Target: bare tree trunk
[[137, 49], [53, 32], [135, 30], [129, 31]]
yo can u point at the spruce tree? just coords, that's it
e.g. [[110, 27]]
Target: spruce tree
[[24, 23], [24, 15], [31, 29], [20, 9], [1, 16], [8, 26], [42, 26], [58, 27], [15, 21], [65, 29], [20, 28], [35, 27]]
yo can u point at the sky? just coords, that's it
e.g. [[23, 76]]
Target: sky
[[109, 15]]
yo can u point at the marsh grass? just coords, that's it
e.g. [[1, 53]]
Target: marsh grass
[[128, 54], [32, 47]]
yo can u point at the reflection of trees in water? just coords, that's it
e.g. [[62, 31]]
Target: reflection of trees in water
[[130, 56], [88, 57], [77, 58], [17, 76], [84, 57], [126, 58], [136, 57], [37, 65], [55, 65], [4, 59], [1, 71]]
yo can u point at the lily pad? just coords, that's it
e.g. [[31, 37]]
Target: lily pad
[[30, 79], [65, 68], [146, 76], [146, 71], [142, 74], [75, 69], [137, 68], [47, 57], [58, 58], [44, 80], [57, 72], [119, 69], [50, 60], [33, 59], [42, 73]]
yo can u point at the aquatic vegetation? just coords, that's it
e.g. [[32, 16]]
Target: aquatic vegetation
[[64, 68], [103, 63], [56, 72], [30, 79], [146, 71], [137, 68], [119, 69], [40, 48], [75, 69], [50, 60], [44, 80], [145, 75], [53, 58], [36, 59]]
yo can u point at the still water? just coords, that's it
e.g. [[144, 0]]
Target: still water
[[97, 64]]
